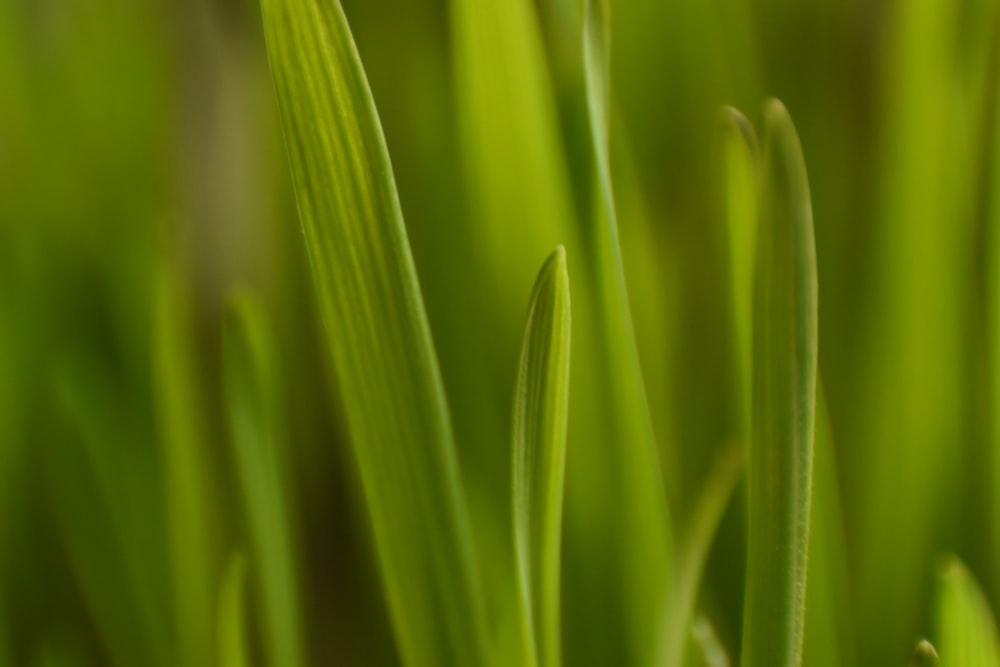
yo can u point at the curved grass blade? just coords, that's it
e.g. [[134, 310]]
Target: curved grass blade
[[829, 636], [253, 392], [741, 154], [924, 655], [965, 631], [645, 534], [541, 410], [704, 647], [694, 549], [231, 633], [784, 395], [377, 333]]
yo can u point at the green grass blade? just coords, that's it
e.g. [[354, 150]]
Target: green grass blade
[[740, 152], [829, 636], [964, 627], [253, 392], [645, 538], [694, 549], [231, 632], [924, 655], [784, 395], [190, 521], [377, 333], [541, 411], [704, 647]]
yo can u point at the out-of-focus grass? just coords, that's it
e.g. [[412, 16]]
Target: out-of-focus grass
[[142, 178]]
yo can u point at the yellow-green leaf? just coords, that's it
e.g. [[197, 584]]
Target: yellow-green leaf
[[377, 333], [784, 396], [644, 535], [541, 404], [924, 655], [253, 398], [231, 633], [965, 631]]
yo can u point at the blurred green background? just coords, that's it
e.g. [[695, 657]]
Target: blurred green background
[[143, 180]]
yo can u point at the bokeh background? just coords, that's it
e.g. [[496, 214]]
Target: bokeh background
[[143, 179]]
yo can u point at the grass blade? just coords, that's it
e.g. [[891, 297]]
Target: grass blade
[[784, 395], [704, 647], [740, 149], [694, 550], [924, 655], [231, 616], [377, 333], [253, 391], [541, 410], [190, 523], [965, 630], [829, 636], [645, 538]]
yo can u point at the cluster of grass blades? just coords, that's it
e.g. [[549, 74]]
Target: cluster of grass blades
[[386, 368], [525, 501]]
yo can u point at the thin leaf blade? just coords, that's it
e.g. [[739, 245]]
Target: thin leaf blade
[[965, 629], [645, 538], [231, 634], [377, 333], [541, 413], [252, 395], [784, 395]]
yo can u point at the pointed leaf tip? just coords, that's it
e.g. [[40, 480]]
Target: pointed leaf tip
[[924, 655], [541, 408]]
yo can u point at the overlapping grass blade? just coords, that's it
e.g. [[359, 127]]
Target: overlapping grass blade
[[190, 522], [913, 405], [784, 395], [829, 634], [105, 487], [645, 538], [377, 334], [541, 411], [924, 655], [965, 631], [253, 393], [693, 552], [231, 633], [741, 155], [704, 647]]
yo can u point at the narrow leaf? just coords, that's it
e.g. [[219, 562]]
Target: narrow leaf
[[784, 395], [253, 394], [541, 405], [377, 333], [965, 631], [704, 647], [189, 506], [740, 152], [694, 549], [231, 633], [924, 655], [645, 536]]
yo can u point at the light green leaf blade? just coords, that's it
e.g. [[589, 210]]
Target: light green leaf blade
[[231, 632], [829, 635], [253, 391], [377, 333], [704, 647], [541, 412], [741, 157], [190, 521], [924, 655], [784, 395], [694, 549], [965, 631], [645, 533]]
